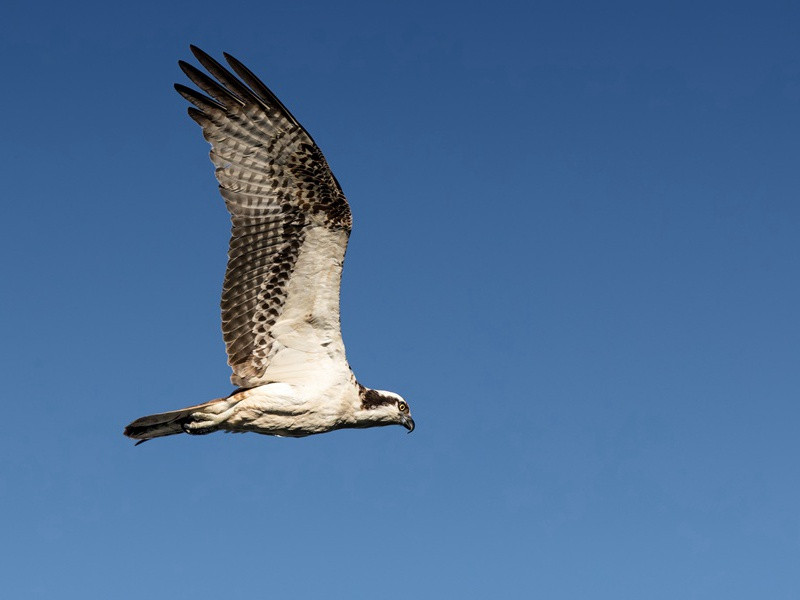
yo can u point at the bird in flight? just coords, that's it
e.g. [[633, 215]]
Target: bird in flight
[[280, 297]]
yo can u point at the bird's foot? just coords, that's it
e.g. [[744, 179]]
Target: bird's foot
[[199, 427]]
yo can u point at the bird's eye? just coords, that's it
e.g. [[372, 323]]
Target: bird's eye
[[402, 406]]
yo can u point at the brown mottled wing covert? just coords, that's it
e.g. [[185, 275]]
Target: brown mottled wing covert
[[276, 185]]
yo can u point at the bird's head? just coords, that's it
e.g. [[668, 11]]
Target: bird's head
[[379, 407]]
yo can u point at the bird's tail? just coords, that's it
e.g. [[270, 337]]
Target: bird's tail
[[169, 423]]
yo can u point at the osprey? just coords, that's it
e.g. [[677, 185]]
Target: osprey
[[280, 297]]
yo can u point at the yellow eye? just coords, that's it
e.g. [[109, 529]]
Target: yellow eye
[[402, 406]]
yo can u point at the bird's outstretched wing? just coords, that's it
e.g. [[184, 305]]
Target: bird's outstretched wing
[[290, 219]]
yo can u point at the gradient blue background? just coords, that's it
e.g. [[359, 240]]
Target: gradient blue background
[[575, 253]]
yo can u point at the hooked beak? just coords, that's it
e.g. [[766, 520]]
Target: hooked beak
[[408, 423]]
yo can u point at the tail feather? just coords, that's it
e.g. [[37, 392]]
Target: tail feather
[[162, 424]]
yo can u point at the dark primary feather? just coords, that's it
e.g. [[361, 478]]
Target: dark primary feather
[[204, 103], [209, 86], [225, 77], [262, 90]]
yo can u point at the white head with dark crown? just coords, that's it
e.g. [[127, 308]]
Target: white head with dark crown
[[379, 407]]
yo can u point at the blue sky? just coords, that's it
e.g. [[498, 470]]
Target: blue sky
[[575, 253]]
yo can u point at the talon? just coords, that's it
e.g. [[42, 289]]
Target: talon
[[193, 429]]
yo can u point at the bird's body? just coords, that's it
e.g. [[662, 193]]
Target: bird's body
[[280, 302]]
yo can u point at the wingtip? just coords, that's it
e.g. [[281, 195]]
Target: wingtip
[[239, 67], [186, 67], [198, 116], [205, 59]]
